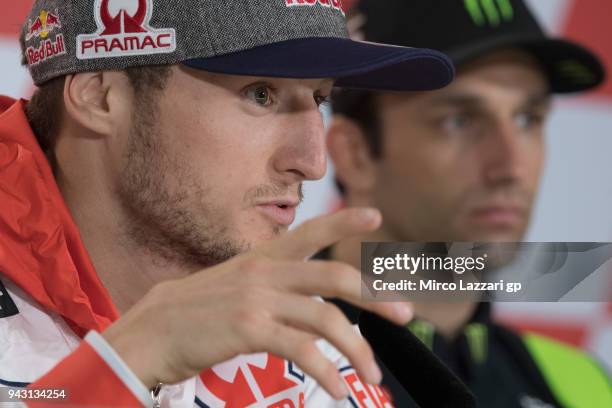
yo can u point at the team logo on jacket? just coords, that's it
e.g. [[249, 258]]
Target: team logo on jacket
[[364, 395], [41, 28], [334, 4], [256, 380], [125, 31]]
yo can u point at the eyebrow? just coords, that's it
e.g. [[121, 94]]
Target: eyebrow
[[461, 99], [464, 99], [536, 100]]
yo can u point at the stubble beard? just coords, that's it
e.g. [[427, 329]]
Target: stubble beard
[[169, 215]]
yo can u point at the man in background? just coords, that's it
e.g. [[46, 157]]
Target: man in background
[[463, 164], [146, 192]]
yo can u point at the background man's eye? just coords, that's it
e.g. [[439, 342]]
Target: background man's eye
[[528, 120], [455, 122], [261, 95]]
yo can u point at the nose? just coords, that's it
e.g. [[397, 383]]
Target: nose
[[302, 154], [502, 152]]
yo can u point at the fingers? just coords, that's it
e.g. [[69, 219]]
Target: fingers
[[333, 279], [328, 322], [316, 234], [300, 347]]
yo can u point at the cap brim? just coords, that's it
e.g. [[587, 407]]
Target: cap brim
[[353, 64], [569, 66]]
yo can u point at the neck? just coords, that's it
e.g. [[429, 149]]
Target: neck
[[127, 270], [448, 318]]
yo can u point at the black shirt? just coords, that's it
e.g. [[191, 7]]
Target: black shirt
[[489, 358]]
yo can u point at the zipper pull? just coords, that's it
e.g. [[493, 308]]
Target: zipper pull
[[156, 395]]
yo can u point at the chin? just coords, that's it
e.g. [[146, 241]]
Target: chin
[[263, 234]]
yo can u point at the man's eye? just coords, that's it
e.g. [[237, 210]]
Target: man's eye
[[529, 120], [455, 122], [260, 94]]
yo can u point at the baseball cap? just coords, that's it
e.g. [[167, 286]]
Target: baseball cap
[[467, 29], [275, 38]]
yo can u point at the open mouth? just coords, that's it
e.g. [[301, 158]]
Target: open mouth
[[279, 213]]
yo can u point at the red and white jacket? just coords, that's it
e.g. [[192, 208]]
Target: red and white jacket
[[53, 307]]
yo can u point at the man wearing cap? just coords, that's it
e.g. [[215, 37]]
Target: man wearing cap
[[144, 189], [463, 164]]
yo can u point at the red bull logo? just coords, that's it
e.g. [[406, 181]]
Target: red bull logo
[[335, 4], [46, 49], [123, 33], [43, 25]]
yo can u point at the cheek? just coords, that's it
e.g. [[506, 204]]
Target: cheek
[[118, 146], [422, 162], [218, 143], [423, 181], [227, 153], [538, 160], [409, 187], [530, 161]]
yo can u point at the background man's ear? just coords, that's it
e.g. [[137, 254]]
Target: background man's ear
[[353, 162], [86, 100]]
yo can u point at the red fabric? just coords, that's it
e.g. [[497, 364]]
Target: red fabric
[[84, 366], [347, 5], [588, 23], [13, 17], [41, 251], [40, 246]]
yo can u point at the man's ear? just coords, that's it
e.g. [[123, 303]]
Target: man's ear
[[86, 99], [351, 155]]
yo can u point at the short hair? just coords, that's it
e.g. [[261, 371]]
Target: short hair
[[361, 107], [45, 106]]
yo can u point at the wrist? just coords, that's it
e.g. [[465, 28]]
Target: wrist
[[124, 374], [134, 352]]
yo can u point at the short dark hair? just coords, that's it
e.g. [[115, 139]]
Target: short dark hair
[[45, 106], [361, 107]]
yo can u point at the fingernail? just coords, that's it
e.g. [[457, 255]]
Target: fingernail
[[371, 214], [374, 373]]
